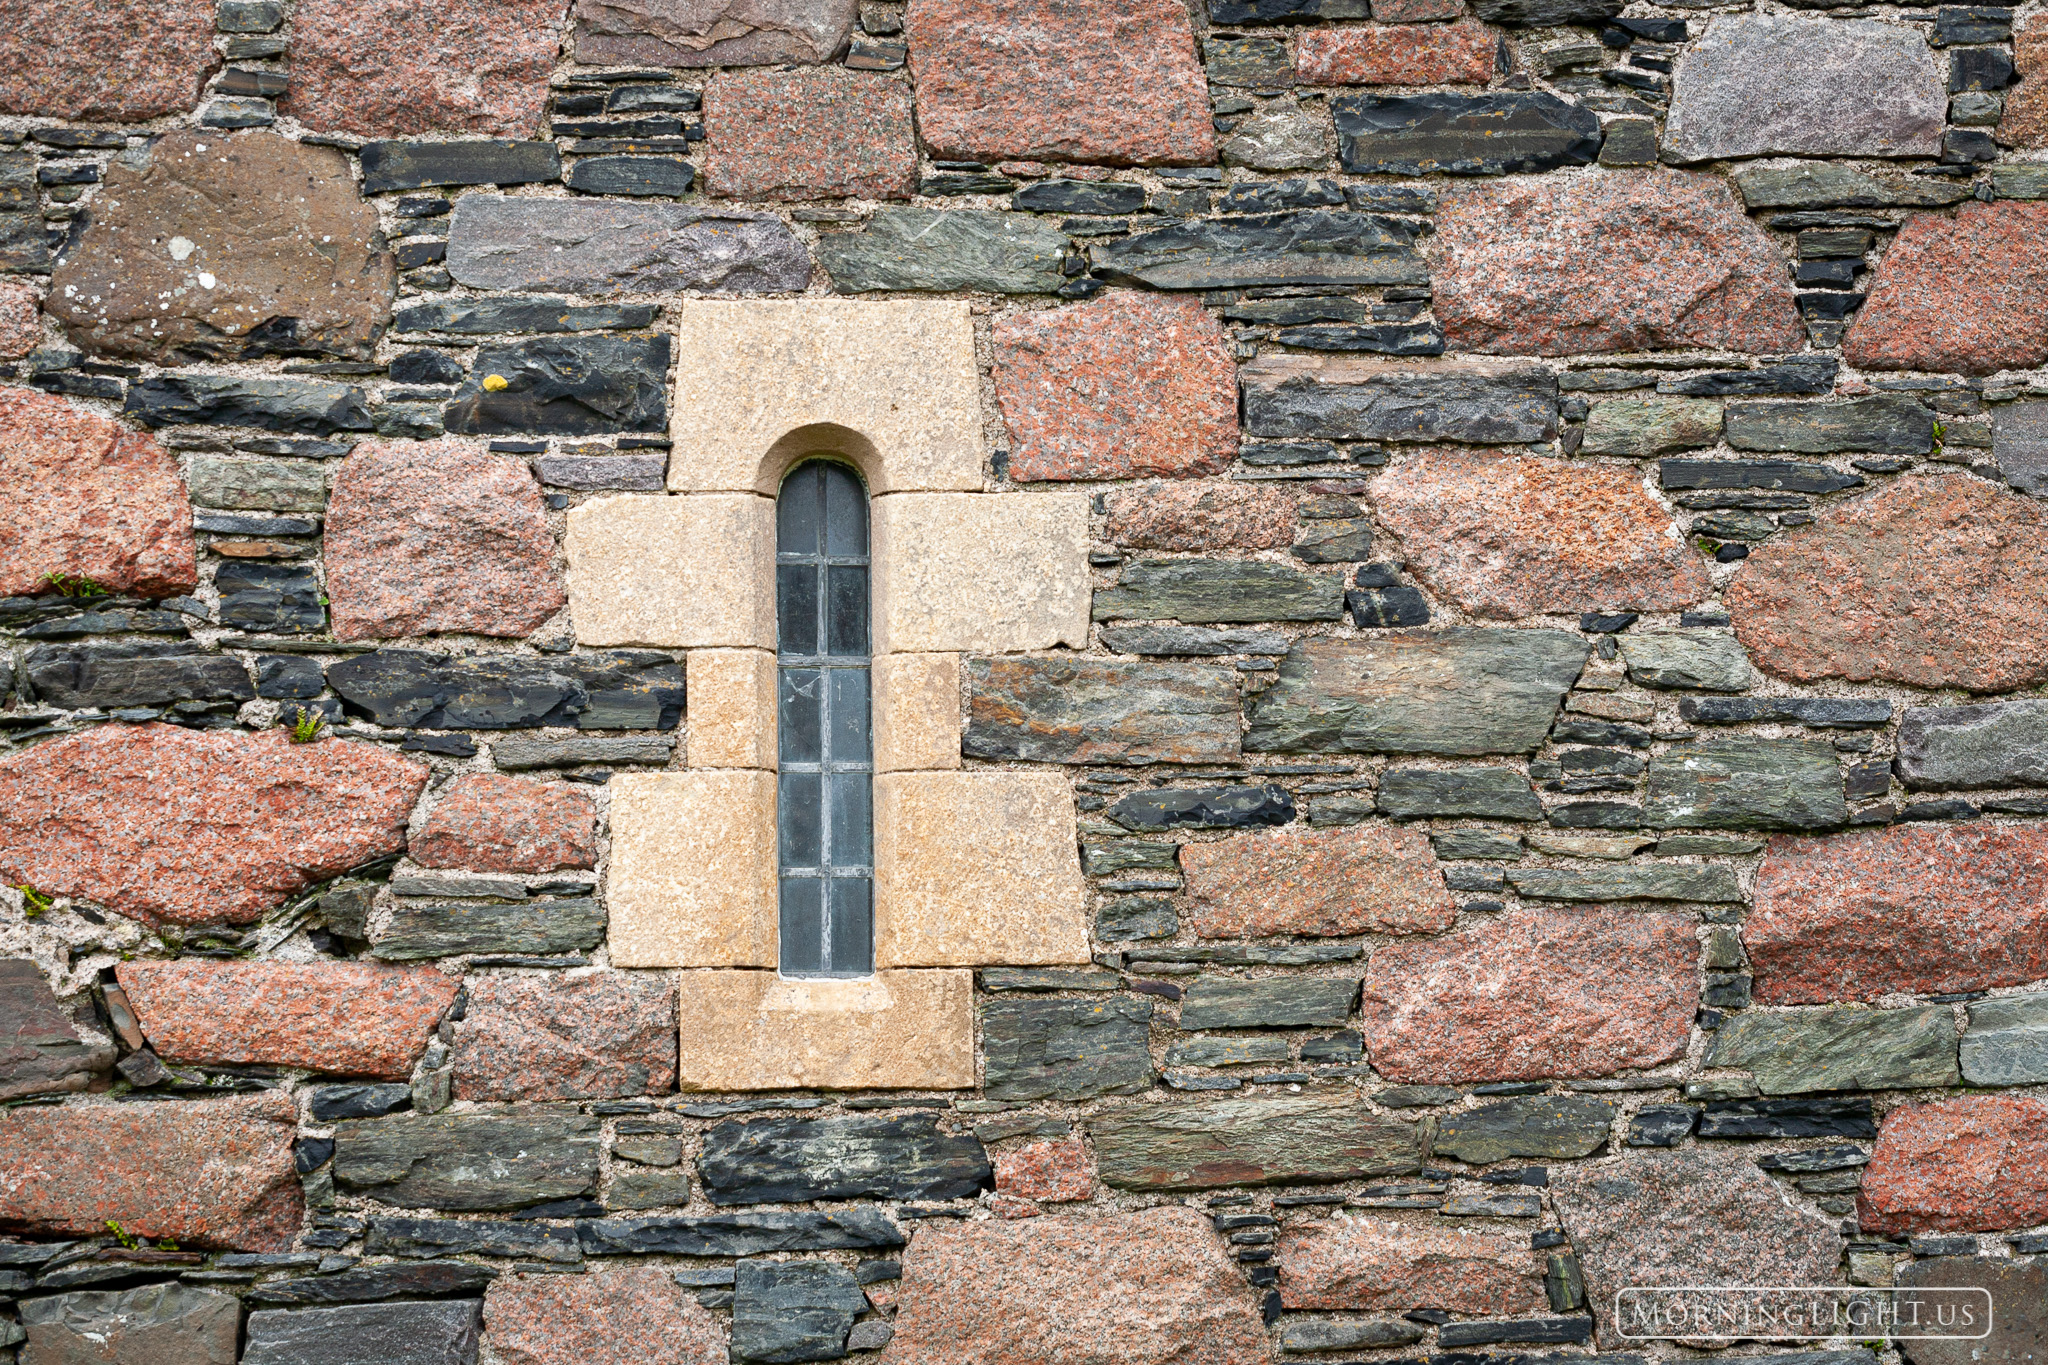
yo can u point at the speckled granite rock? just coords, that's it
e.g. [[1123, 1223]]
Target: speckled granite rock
[[1353, 1263], [555, 1037], [628, 1316], [488, 822], [105, 60], [1294, 881], [1954, 294], [808, 133], [394, 68], [694, 33], [1973, 1164]]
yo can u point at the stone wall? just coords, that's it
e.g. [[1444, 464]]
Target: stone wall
[[1559, 753]]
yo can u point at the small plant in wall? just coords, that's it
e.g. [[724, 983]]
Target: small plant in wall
[[303, 723], [68, 586], [34, 904]]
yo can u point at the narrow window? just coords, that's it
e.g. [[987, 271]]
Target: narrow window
[[825, 765]]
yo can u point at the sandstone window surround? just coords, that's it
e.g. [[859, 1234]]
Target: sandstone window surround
[[971, 868]]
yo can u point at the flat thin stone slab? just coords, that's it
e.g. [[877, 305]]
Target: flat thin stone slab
[[1842, 1049], [1066, 1049], [1312, 247], [1553, 1126], [1354, 398], [469, 1162], [2007, 1041], [929, 250], [1219, 591], [1496, 133], [174, 1324], [365, 1334], [40, 1050], [1268, 1002], [1095, 711], [608, 247], [862, 1227], [416, 931], [1991, 744], [1710, 884], [391, 166], [1747, 783], [778, 1160], [1290, 1141]]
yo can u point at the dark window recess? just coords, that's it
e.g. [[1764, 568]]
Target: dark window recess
[[825, 764]]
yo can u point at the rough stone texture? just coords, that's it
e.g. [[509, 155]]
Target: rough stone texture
[[1353, 1263], [809, 133], [1950, 294], [66, 1171], [1146, 1288], [634, 1315], [1283, 139], [2019, 1295], [1356, 398], [1292, 1141], [345, 1018], [1051, 82], [606, 247], [1100, 711], [471, 1162], [1533, 994], [980, 572], [2025, 120], [573, 924], [694, 33], [365, 1334], [1528, 268], [1221, 1002], [554, 1037], [1202, 517], [693, 870], [621, 690], [427, 536], [1313, 246], [1686, 658], [1558, 1126], [1322, 882], [1486, 793], [1746, 783], [916, 712], [1492, 133], [1924, 909], [390, 68], [894, 1030], [929, 249], [2019, 442], [673, 572], [1695, 1217], [21, 324], [261, 245], [1055, 1172], [487, 822], [86, 497], [1974, 1164], [162, 1324], [114, 61], [1219, 590], [853, 1156], [1932, 581], [1438, 54], [2007, 1041], [1759, 84], [40, 1050], [1993, 744], [1065, 1049], [173, 826], [1507, 536], [1128, 385], [1636, 427]]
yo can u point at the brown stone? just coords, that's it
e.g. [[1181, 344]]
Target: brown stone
[[1527, 267], [601, 1036], [438, 536], [1924, 909], [487, 822], [1697, 1217], [177, 826], [634, 1315], [1978, 1163], [1376, 1263], [40, 1050], [342, 1018], [394, 68], [2025, 122], [1958, 294], [1328, 881], [1935, 581], [1054, 81], [21, 320], [85, 497], [1534, 994], [2018, 1287], [1128, 385], [1146, 1288], [1464, 53], [693, 33], [1056, 1172], [1507, 536], [1202, 516], [259, 245], [809, 133], [107, 61], [204, 1173]]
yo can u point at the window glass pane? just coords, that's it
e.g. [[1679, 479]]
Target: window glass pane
[[801, 926], [796, 608], [849, 737], [801, 813], [799, 722], [847, 614], [850, 820], [853, 939], [797, 514], [846, 512]]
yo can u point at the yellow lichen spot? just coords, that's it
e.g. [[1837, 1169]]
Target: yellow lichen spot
[[494, 382]]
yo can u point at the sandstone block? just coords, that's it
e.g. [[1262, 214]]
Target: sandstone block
[[1291, 1141], [693, 869], [1055, 1172], [693, 33], [1367, 878], [1463, 53], [916, 712], [387, 68], [1092, 711], [557, 1037], [1354, 1264], [113, 61], [732, 708], [893, 1030], [1202, 516], [989, 573], [487, 822], [21, 321], [678, 572], [1974, 1164], [634, 1315], [172, 1323], [607, 247], [1947, 295], [817, 133]]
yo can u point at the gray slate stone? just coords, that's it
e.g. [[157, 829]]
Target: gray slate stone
[[1284, 11], [1251, 1050], [1850, 1048], [1822, 713], [40, 1050], [2019, 442], [1544, 13], [793, 1310], [617, 689], [924, 249], [1312, 247], [1558, 1126], [1065, 1049], [1709, 883], [309, 407], [1687, 658], [489, 316], [1777, 84], [375, 1283], [628, 473], [792, 1160], [1651, 426], [1204, 808], [1800, 374], [860, 1228], [1498, 133], [525, 755], [1830, 185], [1136, 918], [1466, 690], [588, 246], [2007, 1040], [1661, 1125], [1281, 1141], [1268, 1002], [1260, 954], [157, 1324], [442, 1333], [1302, 1335], [662, 175], [1881, 425], [257, 485], [133, 673], [1480, 402], [1100, 711], [278, 597], [391, 166], [505, 1159], [1792, 476], [570, 924], [1480, 793], [1226, 591], [568, 386], [1743, 783], [1989, 744], [1474, 843], [1194, 640], [422, 1238]]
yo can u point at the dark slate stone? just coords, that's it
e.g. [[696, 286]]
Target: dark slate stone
[[1578, 730], [331, 1102], [511, 313], [1988, 744], [306, 406], [1204, 808], [927, 249], [425, 1238], [1481, 793], [664, 175], [1284, 11], [1065, 1049], [1955, 25], [1219, 591], [249, 16], [861, 1228], [40, 1050], [1710, 883], [116, 622], [1136, 918], [652, 99], [1079, 196], [1247, 61], [1269, 196], [133, 673], [1095, 711], [1312, 247], [1661, 1125], [1840, 1049], [1329, 1334], [579, 386], [372, 1283], [427, 367], [1282, 1141], [1787, 1119], [443, 1333], [1980, 68], [1881, 424], [1465, 690], [789, 1160], [411, 165], [1745, 783], [524, 755], [1812, 1159], [1260, 954], [1268, 1002], [1794, 476], [1101, 860], [1387, 608], [1497, 133], [415, 931], [1545, 13], [253, 524], [621, 689], [1804, 375], [1489, 405], [1558, 1126], [270, 597], [1390, 338], [1822, 713], [506, 1159], [1289, 311], [793, 1310], [1541, 1331]]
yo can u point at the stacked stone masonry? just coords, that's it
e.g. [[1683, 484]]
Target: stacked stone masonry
[[1460, 644]]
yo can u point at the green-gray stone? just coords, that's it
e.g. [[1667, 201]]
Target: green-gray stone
[[2007, 1041], [1695, 659], [1852, 1048], [1558, 1126], [1706, 846], [1465, 690], [1099, 860], [1341, 540], [2020, 182], [1281, 1141], [1065, 710], [1828, 185], [924, 249], [1220, 590], [1640, 427], [258, 485], [1268, 1002], [1481, 793], [506, 1159], [1312, 246], [1987, 744], [1474, 843], [572, 924], [1712, 883], [1065, 1049], [1415, 1096], [1746, 783], [1136, 918], [997, 980], [1340, 809], [1247, 1051], [1325, 1334], [1248, 61], [1882, 424]]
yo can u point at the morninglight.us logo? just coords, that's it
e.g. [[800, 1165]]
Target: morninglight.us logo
[[1800, 1313]]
